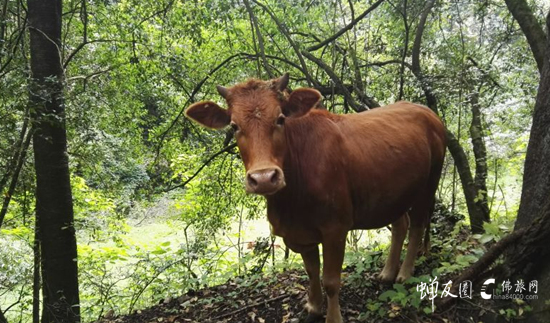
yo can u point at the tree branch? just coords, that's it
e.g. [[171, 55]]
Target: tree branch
[[208, 161], [254, 22], [530, 241], [87, 42], [456, 150], [418, 37], [531, 29], [483, 264], [405, 50], [282, 28], [14, 49], [206, 78], [371, 103], [15, 177], [247, 307], [346, 28], [94, 74], [17, 152], [191, 98]]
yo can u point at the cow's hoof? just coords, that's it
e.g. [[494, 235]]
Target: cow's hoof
[[401, 278], [386, 277], [313, 318], [310, 317]]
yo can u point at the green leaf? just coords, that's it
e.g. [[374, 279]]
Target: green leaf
[[387, 294], [400, 289]]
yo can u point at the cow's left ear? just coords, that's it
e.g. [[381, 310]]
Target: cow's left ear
[[301, 101], [208, 114]]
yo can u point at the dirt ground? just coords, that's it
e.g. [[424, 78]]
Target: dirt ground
[[280, 297]]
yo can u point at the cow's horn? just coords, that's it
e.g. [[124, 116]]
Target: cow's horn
[[282, 82], [223, 91]]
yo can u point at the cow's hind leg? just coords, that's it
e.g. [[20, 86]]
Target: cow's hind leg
[[398, 234], [416, 231], [333, 257], [315, 296], [419, 216]]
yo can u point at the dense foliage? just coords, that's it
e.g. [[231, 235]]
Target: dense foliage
[[158, 201]]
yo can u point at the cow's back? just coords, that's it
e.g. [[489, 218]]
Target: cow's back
[[391, 154]]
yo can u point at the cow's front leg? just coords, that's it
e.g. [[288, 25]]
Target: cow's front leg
[[314, 304], [333, 257]]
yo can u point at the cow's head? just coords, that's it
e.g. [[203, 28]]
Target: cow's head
[[257, 111]]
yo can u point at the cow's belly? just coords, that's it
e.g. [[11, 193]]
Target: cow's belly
[[382, 210], [378, 219], [297, 235]]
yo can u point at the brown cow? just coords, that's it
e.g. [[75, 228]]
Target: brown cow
[[325, 174]]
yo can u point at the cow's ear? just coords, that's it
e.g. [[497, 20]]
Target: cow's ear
[[301, 101], [208, 114]]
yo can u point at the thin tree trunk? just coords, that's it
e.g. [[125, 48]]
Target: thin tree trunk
[[13, 161], [466, 179], [54, 209], [22, 155], [480, 154], [405, 51]]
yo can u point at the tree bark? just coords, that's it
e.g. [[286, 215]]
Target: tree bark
[[531, 28], [480, 155], [535, 193], [466, 179], [54, 209], [2, 317]]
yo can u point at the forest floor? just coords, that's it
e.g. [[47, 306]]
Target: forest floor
[[280, 297]]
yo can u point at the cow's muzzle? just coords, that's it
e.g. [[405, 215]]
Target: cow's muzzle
[[265, 181]]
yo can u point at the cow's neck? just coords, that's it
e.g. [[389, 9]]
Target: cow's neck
[[306, 142]]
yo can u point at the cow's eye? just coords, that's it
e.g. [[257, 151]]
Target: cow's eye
[[281, 120], [234, 126]]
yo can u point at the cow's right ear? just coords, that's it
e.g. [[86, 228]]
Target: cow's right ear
[[208, 114], [301, 101]]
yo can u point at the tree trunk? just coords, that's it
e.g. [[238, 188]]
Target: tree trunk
[[535, 193], [54, 209], [476, 214], [20, 155], [480, 155], [2, 317]]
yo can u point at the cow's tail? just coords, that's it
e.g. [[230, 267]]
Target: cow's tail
[[425, 248]]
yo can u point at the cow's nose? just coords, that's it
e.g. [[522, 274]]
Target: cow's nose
[[265, 181]]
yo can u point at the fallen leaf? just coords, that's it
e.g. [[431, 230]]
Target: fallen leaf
[[252, 315]]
